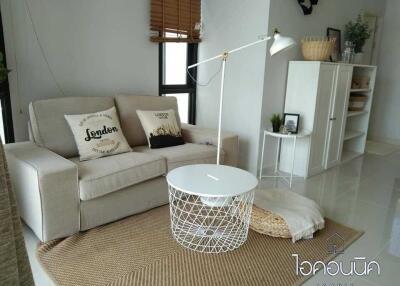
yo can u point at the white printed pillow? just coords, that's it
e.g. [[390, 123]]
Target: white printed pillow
[[98, 134], [161, 128]]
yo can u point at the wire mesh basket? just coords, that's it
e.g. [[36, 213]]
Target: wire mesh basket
[[210, 225]]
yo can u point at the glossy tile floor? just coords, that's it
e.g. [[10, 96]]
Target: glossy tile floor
[[363, 194]]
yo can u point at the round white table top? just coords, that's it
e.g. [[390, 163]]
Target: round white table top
[[301, 134], [212, 180]]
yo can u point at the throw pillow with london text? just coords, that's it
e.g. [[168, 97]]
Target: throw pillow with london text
[[161, 128], [98, 134]]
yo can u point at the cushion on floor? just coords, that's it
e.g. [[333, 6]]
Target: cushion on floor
[[109, 174], [186, 154], [302, 215]]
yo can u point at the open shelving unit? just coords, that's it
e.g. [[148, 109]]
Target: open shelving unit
[[351, 134], [322, 93], [349, 155], [356, 113], [353, 90], [356, 125]]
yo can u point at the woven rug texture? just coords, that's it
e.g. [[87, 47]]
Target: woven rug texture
[[140, 250]]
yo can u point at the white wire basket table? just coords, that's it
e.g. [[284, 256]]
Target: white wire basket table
[[210, 206]]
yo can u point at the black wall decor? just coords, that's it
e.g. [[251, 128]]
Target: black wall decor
[[307, 9]]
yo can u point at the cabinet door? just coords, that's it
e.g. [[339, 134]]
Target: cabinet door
[[338, 115], [319, 137]]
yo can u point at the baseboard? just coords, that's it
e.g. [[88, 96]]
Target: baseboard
[[384, 140], [266, 170]]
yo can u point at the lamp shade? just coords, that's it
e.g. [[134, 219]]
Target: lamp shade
[[281, 44]]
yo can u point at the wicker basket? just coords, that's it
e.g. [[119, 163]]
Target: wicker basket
[[360, 82], [317, 48], [266, 222], [357, 102]]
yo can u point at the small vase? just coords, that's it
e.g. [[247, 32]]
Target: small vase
[[358, 58], [276, 128]]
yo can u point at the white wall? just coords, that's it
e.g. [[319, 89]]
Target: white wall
[[384, 123], [229, 24], [94, 48], [287, 16]]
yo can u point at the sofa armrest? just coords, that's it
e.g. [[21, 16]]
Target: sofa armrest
[[46, 188], [229, 141]]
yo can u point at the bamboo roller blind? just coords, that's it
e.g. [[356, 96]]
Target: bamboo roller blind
[[182, 18]]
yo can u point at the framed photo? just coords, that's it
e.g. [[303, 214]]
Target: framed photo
[[337, 50], [291, 122]]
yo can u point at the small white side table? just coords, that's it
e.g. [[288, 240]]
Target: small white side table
[[281, 136], [210, 206]]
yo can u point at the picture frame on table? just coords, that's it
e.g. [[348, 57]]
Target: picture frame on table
[[337, 50], [291, 122]]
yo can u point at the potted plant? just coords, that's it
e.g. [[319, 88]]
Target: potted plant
[[357, 32], [276, 121]]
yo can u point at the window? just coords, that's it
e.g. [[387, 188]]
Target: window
[[175, 21], [6, 124], [174, 79], [176, 25], [6, 128]]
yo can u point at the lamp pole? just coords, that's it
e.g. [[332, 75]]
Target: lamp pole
[[280, 44], [224, 57], [221, 101]]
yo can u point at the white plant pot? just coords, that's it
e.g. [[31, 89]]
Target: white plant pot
[[358, 58]]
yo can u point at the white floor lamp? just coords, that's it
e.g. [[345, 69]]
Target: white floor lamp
[[280, 44]]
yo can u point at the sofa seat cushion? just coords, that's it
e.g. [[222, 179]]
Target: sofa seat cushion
[[109, 174], [187, 154]]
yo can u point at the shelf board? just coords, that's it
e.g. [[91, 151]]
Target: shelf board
[[364, 66], [350, 134], [356, 113], [349, 155], [360, 90]]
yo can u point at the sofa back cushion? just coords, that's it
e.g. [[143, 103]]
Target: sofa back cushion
[[49, 127], [127, 106]]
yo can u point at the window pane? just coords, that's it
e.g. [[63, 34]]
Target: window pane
[[175, 63], [3, 139], [183, 105]]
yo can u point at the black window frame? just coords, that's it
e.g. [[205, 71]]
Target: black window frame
[[5, 96], [190, 87]]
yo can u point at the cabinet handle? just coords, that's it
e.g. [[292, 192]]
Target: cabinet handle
[[332, 119]]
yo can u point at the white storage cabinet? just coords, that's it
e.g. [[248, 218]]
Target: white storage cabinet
[[320, 93]]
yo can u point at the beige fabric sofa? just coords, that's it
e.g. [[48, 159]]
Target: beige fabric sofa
[[58, 195]]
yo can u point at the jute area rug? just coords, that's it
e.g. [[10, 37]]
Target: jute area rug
[[140, 250]]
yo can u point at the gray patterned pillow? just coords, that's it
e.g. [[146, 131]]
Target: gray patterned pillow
[[161, 128]]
